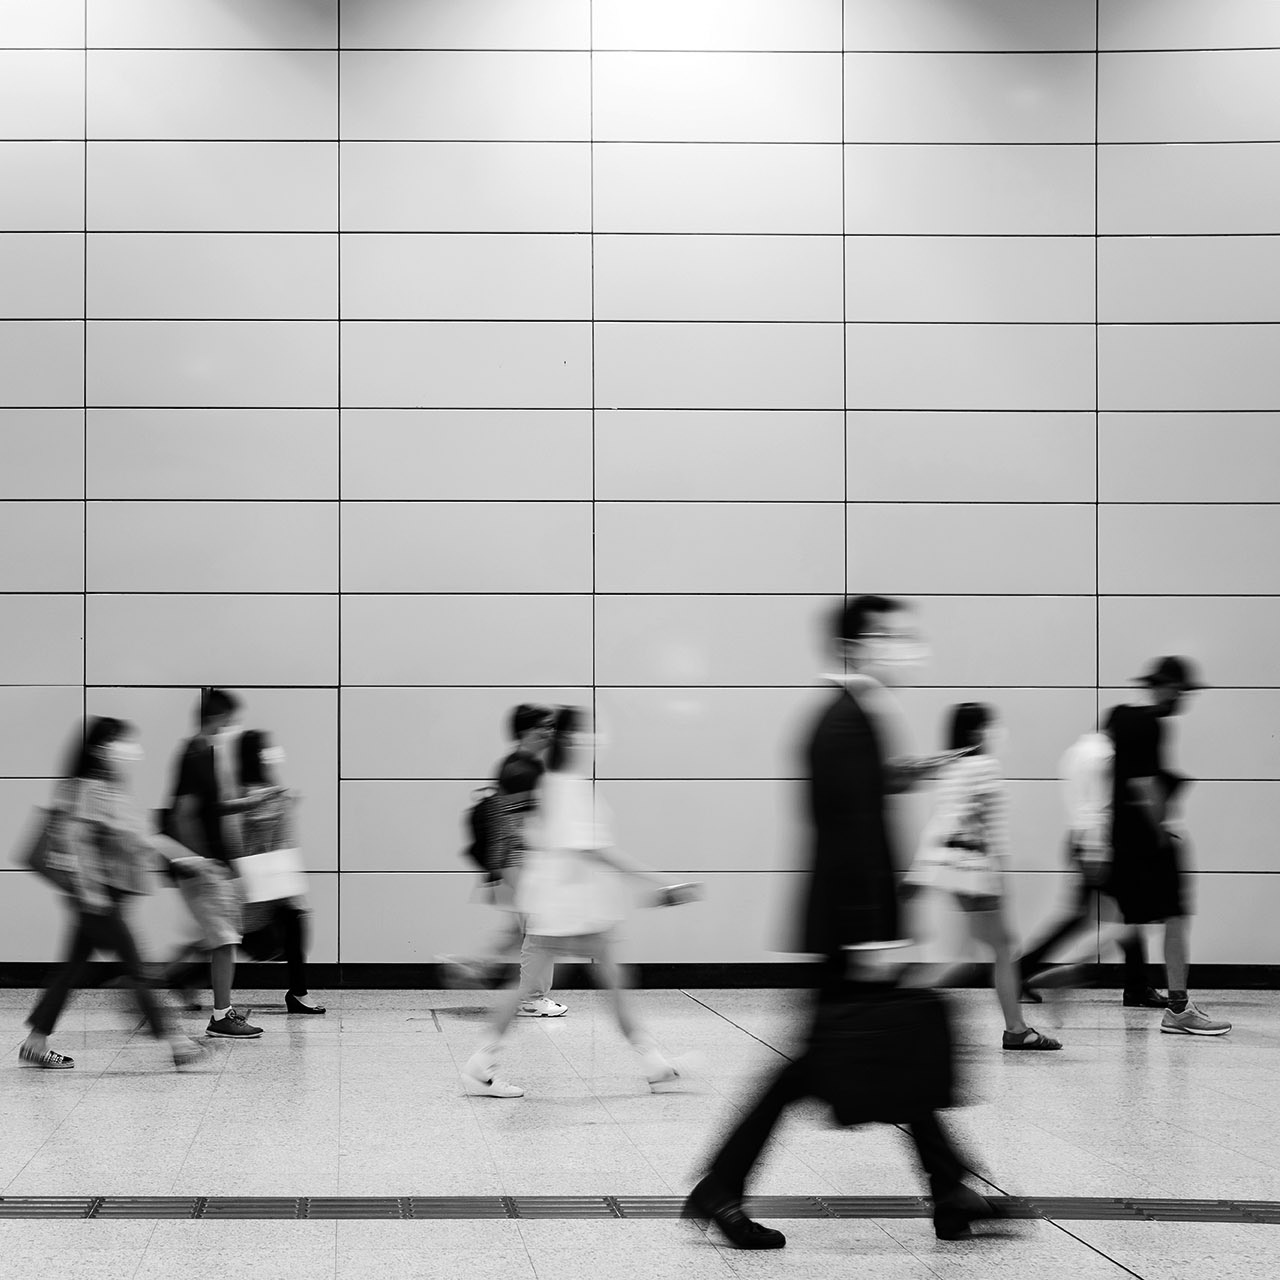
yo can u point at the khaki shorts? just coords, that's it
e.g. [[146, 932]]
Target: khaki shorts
[[214, 902]]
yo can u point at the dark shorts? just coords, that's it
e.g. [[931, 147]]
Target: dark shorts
[[1147, 879], [978, 901]]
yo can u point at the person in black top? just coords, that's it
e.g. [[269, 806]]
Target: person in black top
[[851, 916], [1147, 878]]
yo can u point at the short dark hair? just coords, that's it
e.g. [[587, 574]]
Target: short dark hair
[[216, 702], [83, 761], [966, 724], [528, 715], [852, 617], [567, 720], [249, 758]]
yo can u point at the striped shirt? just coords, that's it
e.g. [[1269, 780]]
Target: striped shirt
[[965, 844]]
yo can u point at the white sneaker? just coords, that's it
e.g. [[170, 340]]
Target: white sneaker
[[1192, 1022], [544, 1007], [480, 1080]]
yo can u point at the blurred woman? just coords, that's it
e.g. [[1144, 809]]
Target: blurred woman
[[113, 851], [262, 814], [963, 851], [572, 892]]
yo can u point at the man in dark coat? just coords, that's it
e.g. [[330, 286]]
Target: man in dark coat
[[851, 917]]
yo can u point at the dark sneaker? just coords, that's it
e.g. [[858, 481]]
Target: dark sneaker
[[232, 1027], [1145, 998]]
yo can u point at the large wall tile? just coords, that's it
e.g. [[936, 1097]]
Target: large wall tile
[[711, 640], [212, 186], [1203, 457], [717, 188], [213, 277], [42, 641], [466, 454], [969, 97], [719, 547], [961, 366], [466, 640], [709, 456], [705, 733], [986, 641], [52, 24], [1163, 279], [1194, 550], [213, 640], [717, 278], [969, 190], [1222, 366], [1231, 825], [302, 721], [41, 186], [1187, 24], [467, 24], [215, 94], [466, 96], [1232, 919], [406, 826], [35, 918], [41, 453], [219, 24], [1232, 638], [467, 546], [41, 363], [954, 278], [41, 93], [715, 97], [466, 186], [197, 364], [971, 548], [198, 547], [1189, 189], [949, 456], [718, 366], [201, 453], [41, 546], [465, 277], [766, 25], [43, 276], [992, 26], [434, 733], [1189, 97], [463, 364], [40, 722], [19, 799]]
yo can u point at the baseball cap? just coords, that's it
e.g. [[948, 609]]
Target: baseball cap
[[1171, 670]]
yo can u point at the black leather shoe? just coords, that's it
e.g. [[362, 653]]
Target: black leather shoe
[[1145, 998], [296, 1004], [954, 1212], [707, 1203]]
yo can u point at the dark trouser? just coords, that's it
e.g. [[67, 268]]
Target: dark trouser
[[1083, 915], [98, 931], [732, 1164]]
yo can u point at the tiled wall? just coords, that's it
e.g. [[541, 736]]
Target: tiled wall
[[398, 364]]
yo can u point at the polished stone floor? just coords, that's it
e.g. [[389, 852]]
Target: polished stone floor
[[366, 1101]]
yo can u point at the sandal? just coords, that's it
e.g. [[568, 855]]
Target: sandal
[[50, 1059], [1030, 1039]]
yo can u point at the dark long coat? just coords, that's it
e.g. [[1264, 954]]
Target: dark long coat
[[852, 892]]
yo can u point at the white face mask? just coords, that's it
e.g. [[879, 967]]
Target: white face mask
[[125, 751], [995, 738], [893, 652], [273, 756]]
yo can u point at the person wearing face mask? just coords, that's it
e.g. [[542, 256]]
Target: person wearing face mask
[[262, 814], [1147, 878], [854, 759], [113, 852], [964, 849], [205, 783]]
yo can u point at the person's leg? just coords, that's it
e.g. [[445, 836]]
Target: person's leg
[[293, 930], [1137, 977], [1079, 916], [222, 972], [936, 1153], [1176, 960], [80, 946], [119, 938], [988, 928]]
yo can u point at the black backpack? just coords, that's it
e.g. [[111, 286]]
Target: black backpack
[[484, 825]]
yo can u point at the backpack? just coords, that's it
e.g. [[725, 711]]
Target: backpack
[[1086, 772], [483, 823]]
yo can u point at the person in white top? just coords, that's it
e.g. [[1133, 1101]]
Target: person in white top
[[572, 893], [964, 850]]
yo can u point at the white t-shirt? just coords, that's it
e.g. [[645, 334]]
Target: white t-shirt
[[564, 890], [1086, 772]]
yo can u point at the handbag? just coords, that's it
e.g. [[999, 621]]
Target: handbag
[[46, 855], [270, 876], [882, 1055]]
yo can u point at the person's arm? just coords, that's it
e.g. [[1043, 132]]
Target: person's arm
[[252, 800], [905, 773], [1149, 797]]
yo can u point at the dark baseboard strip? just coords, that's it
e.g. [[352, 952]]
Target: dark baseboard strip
[[416, 977], [400, 1208]]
